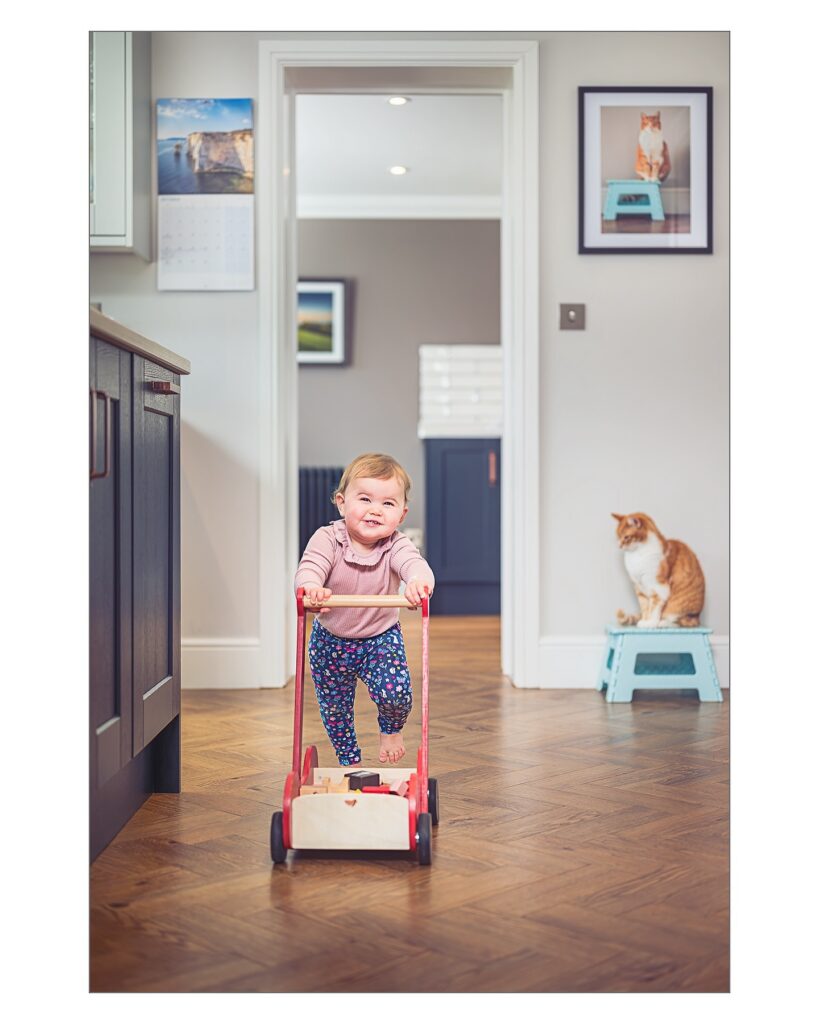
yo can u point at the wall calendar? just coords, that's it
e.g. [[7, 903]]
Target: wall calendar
[[205, 201]]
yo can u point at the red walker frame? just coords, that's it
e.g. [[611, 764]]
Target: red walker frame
[[417, 797]]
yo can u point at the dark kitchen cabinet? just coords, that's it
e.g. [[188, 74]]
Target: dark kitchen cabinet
[[156, 553], [134, 577], [463, 535], [110, 562]]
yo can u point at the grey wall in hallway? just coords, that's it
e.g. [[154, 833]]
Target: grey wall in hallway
[[416, 282]]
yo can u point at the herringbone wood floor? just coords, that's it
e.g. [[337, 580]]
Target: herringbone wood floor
[[583, 847]]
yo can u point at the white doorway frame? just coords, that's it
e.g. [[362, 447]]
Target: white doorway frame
[[520, 289]]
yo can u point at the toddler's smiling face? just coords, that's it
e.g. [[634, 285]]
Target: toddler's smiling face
[[372, 509]]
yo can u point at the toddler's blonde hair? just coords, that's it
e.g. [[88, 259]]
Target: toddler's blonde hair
[[377, 467]]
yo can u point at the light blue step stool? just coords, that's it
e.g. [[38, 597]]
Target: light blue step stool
[[649, 198], [658, 659]]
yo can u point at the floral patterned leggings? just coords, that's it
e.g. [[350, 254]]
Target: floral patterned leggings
[[380, 662]]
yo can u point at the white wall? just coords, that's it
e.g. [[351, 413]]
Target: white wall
[[634, 411], [220, 399]]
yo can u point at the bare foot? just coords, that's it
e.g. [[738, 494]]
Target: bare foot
[[392, 747]]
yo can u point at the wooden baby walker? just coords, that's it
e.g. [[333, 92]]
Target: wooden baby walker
[[354, 808]]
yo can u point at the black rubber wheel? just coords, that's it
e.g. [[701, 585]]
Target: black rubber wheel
[[423, 838], [432, 799], [277, 847]]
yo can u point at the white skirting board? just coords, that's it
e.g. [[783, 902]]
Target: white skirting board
[[573, 662], [229, 663], [564, 662]]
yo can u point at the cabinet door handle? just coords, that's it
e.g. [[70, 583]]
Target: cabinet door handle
[[106, 430], [165, 387], [493, 468]]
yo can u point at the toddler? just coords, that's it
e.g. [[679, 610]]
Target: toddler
[[363, 553]]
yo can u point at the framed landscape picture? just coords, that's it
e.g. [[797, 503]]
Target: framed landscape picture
[[646, 174], [322, 321]]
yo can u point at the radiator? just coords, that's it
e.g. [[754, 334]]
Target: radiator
[[316, 486]]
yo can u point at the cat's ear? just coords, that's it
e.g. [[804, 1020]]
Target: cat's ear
[[615, 516], [635, 521]]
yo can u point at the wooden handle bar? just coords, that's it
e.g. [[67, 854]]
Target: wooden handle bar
[[361, 601]]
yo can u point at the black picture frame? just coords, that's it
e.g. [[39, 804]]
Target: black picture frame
[[653, 218], [333, 304]]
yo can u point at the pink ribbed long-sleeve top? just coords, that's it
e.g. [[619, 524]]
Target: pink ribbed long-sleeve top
[[330, 561]]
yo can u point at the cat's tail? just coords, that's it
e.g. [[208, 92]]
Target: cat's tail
[[626, 620], [688, 620]]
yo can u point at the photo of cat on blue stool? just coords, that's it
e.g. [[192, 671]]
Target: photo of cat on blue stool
[[665, 647]]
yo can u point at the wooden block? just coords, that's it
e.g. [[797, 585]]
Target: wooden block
[[376, 789], [339, 787], [363, 778], [400, 788], [309, 790]]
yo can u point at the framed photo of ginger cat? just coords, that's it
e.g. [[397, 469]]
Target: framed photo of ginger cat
[[646, 169]]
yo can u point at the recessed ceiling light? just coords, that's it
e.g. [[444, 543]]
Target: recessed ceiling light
[[399, 169], [398, 101]]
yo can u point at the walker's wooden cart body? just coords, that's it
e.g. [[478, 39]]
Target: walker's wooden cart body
[[356, 820]]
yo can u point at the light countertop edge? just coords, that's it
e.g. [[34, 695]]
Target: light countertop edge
[[119, 334]]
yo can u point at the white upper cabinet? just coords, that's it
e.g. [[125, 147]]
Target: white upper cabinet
[[120, 142]]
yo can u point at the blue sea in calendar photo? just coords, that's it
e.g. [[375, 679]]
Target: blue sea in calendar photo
[[204, 147]]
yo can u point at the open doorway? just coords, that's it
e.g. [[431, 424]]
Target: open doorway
[[399, 202], [507, 70]]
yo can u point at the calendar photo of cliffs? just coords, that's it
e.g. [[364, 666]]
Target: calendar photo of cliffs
[[204, 147]]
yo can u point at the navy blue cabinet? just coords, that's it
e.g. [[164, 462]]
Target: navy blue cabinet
[[110, 537], [134, 584], [463, 536]]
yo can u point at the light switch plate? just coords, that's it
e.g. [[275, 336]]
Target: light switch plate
[[572, 316]]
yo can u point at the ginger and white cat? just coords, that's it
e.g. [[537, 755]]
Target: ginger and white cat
[[653, 162], [666, 575]]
